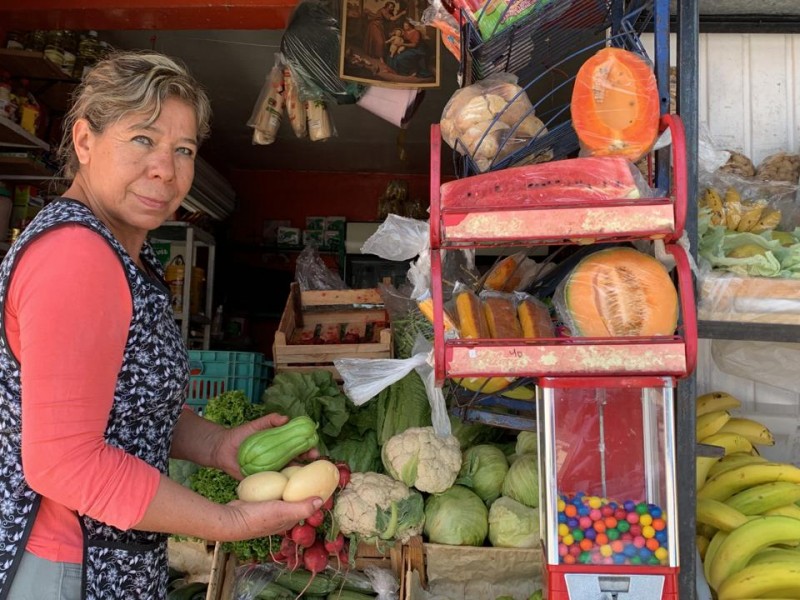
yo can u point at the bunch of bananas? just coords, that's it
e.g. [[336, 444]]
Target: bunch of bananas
[[737, 215], [748, 522]]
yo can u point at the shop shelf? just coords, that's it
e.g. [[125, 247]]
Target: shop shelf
[[11, 134], [458, 222], [213, 372]]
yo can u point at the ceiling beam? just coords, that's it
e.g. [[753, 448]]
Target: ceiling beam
[[145, 14]]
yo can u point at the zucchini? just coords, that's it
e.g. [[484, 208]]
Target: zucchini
[[348, 595], [353, 581], [299, 579], [272, 449], [273, 591]]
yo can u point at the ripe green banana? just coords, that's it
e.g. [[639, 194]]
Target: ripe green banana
[[775, 554], [731, 461], [762, 581], [715, 401], [711, 552], [760, 498], [790, 510], [727, 484], [719, 515], [755, 432], [745, 541], [710, 423]]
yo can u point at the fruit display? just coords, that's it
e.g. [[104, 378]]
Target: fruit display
[[615, 107], [618, 292], [748, 522]]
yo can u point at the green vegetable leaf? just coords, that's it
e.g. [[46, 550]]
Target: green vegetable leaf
[[400, 515], [359, 451]]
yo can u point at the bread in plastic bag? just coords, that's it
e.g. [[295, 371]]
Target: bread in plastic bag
[[295, 106], [739, 164], [512, 273], [490, 119], [781, 166]]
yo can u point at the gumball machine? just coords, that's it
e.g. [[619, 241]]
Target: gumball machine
[[608, 501]]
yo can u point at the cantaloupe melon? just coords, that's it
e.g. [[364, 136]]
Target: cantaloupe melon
[[615, 107], [618, 292]]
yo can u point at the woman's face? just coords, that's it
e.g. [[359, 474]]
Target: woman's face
[[136, 175]]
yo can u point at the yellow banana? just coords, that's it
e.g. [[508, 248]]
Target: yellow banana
[[702, 469], [770, 219], [790, 510], [731, 442], [727, 484], [713, 200], [719, 515], [744, 542], [751, 214], [712, 401], [766, 496], [710, 423], [701, 543], [711, 552], [731, 461], [756, 433], [762, 581], [724, 485], [775, 554], [733, 208]]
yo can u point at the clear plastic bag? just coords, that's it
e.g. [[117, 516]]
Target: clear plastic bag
[[268, 110], [490, 120], [251, 579], [772, 363], [365, 378], [514, 272], [312, 273], [383, 582]]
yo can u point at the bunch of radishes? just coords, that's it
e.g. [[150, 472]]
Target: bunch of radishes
[[313, 542]]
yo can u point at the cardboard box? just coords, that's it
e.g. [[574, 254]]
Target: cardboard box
[[315, 223], [289, 236], [314, 237]]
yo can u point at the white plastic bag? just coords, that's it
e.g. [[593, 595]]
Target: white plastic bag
[[365, 378], [398, 238], [383, 582]]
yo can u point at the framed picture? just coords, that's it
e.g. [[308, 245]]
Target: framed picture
[[384, 43]]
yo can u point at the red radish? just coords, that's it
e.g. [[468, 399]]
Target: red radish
[[303, 535], [316, 519], [335, 545], [288, 547], [344, 474], [328, 504], [294, 560], [315, 560]]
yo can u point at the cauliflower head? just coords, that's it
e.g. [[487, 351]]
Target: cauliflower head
[[421, 459], [374, 506]]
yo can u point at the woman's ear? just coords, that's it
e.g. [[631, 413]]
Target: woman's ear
[[82, 137]]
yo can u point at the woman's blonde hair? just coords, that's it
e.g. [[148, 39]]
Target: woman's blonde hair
[[130, 82]]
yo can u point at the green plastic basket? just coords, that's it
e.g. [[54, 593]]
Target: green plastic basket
[[213, 372]]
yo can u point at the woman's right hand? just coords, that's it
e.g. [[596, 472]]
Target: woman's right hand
[[248, 520]]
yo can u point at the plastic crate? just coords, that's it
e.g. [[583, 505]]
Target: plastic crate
[[213, 372]]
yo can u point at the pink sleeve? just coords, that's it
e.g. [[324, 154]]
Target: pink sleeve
[[69, 308]]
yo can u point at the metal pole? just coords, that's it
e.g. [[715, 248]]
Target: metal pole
[[688, 44]]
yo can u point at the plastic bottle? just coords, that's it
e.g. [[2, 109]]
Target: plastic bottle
[[216, 324]]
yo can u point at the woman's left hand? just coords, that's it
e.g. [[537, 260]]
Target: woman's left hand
[[230, 440]]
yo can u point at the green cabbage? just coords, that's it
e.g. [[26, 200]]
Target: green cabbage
[[527, 442], [522, 481], [513, 525], [457, 517], [483, 469]]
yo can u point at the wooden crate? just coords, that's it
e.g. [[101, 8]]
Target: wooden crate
[[223, 566], [314, 316], [725, 297]]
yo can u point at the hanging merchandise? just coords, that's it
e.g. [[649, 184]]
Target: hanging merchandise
[[437, 16], [295, 107], [268, 110], [320, 127], [615, 105], [310, 45]]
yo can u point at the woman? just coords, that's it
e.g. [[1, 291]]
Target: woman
[[377, 23], [413, 58], [93, 370]]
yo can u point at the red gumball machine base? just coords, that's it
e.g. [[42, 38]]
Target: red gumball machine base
[[612, 582]]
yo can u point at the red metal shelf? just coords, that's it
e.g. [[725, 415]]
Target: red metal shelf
[[461, 223]]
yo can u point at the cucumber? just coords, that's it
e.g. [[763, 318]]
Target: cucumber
[[273, 591], [348, 595], [353, 581], [297, 581]]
